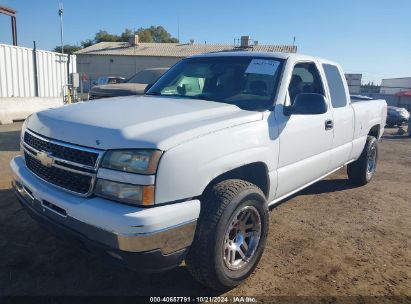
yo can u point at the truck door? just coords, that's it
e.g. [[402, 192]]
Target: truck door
[[343, 116], [305, 140]]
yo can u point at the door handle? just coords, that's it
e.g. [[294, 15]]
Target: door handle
[[329, 124]]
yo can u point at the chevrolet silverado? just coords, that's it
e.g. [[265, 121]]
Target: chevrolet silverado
[[188, 171]]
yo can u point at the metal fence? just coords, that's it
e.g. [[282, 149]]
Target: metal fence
[[26, 72]]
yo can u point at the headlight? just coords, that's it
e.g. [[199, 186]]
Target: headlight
[[126, 193], [23, 130], [134, 161]]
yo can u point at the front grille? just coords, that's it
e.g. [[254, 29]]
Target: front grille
[[67, 166], [61, 151], [71, 181]]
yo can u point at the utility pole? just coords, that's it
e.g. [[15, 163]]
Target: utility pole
[[61, 26]]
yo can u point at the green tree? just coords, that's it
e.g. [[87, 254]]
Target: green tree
[[68, 49], [86, 43], [104, 36], [370, 87], [156, 34], [126, 35]]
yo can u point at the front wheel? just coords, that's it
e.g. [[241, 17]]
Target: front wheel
[[230, 236], [363, 169]]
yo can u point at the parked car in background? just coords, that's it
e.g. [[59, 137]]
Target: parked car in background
[[396, 116], [132, 86], [108, 80]]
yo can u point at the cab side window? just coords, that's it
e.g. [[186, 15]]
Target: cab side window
[[336, 86], [305, 79]]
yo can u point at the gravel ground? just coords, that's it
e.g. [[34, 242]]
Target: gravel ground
[[331, 239]]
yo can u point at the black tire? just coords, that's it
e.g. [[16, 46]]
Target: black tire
[[359, 172], [220, 205]]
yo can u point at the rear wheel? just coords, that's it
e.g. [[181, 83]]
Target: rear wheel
[[230, 236], [362, 170]]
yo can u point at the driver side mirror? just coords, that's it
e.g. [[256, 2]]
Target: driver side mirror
[[307, 104]]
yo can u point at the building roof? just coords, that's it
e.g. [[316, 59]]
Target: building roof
[[174, 49]]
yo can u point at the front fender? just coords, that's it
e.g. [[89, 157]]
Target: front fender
[[186, 170]]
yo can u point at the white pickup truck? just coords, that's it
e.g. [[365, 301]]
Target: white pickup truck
[[188, 171]]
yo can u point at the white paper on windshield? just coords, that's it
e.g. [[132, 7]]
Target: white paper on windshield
[[262, 66]]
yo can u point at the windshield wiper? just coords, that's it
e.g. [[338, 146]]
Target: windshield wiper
[[154, 93], [166, 95], [200, 96]]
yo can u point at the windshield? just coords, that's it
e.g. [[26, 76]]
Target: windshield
[[248, 82], [147, 76]]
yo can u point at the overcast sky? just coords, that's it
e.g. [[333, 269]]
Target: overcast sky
[[368, 37]]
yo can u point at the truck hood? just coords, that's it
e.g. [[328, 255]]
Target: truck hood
[[118, 89], [137, 122]]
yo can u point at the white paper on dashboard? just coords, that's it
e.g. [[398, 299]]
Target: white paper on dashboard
[[262, 66]]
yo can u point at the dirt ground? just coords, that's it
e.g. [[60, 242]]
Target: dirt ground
[[331, 239]]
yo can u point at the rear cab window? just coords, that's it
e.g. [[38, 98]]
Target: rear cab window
[[335, 82]]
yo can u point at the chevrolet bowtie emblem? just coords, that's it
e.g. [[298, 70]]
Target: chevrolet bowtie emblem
[[45, 158]]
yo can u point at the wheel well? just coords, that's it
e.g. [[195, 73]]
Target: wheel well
[[255, 173], [375, 131]]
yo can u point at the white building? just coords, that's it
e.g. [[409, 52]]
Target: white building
[[391, 86], [354, 83], [124, 59]]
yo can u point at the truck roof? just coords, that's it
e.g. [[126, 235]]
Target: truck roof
[[280, 55]]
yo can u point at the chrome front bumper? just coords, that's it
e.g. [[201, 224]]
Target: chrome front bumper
[[167, 240], [168, 228]]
